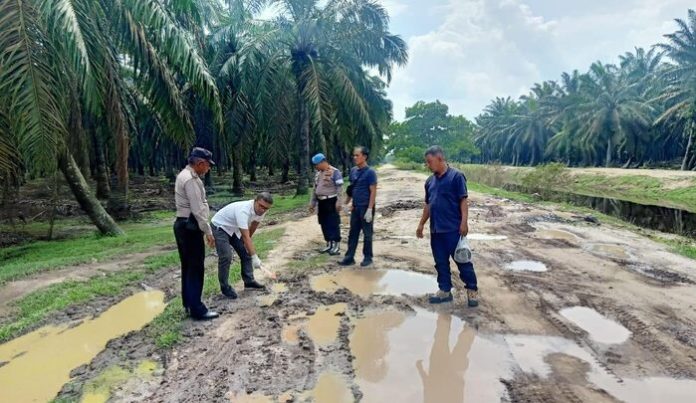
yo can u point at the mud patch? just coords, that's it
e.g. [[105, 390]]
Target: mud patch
[[47, 355], [557, 234], [392, 208], [612, 251], [600, 328], [486, 237], [664, 277]]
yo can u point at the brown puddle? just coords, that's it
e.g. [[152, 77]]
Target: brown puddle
[[437, 357], [380, 282], [331, 388], [557, 234], [531, 355], [40, 362], [614, 251], [600, 328], [399, 359], [323, 326]]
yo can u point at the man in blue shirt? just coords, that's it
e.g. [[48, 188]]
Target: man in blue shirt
[[447, 207], [363, 191]]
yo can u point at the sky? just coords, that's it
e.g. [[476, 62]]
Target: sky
[[466, 52]]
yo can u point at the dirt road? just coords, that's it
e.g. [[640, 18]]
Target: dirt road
[[570, 312]]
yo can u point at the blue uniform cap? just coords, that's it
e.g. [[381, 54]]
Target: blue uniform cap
[[318, 158]]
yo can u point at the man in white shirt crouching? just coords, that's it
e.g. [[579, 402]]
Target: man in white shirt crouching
[[233, 226]]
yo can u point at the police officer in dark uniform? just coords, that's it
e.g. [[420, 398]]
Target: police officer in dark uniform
[[192, 231]]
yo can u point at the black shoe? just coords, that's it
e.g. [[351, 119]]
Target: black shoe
[[335, 248], [366, 262], [347, 261], [207, 316], [254, 285], [327, 248], [229, 292]]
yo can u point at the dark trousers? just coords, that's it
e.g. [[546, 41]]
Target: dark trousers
[[224, 243], [192, 255], [357, 224], [329, 220], [443, 246]]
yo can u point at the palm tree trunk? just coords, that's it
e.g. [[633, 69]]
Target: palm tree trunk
[[689, 143], [609, 153], [303, 121], [87, 201], [101, 174], [286, 170], [237, 185]]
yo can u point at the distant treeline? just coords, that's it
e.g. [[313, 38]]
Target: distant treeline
[[641, 112]]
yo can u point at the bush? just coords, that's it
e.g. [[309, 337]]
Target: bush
[[545, 177]]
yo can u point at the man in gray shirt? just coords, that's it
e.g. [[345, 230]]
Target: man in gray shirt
[[191, 230], [328, 186]]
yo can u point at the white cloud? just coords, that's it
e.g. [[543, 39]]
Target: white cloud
[[475, 50]]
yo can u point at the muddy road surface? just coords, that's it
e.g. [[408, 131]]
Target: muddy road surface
[[570, 311]]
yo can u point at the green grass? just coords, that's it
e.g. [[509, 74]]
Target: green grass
[[36, 306], [165, 330], [23, 260]]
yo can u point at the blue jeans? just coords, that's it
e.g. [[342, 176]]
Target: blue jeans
[[443, 246], [357, 224]]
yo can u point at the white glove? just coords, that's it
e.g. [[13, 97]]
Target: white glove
[[368, 216], [256, 262]]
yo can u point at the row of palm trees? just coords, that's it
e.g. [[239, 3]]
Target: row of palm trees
[[104, 88], [641, 111]]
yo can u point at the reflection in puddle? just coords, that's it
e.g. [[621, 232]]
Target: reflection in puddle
[[50, 353], [599, 328], [526, 265], [396, 360], [381, 282], [485, 237], [614, 251], [556, 234], [322, 327]]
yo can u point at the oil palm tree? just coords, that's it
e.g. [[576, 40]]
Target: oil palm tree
[[328, 48], [71, 58], [679, 95]]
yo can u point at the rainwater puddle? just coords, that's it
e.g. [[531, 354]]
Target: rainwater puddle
[[269, 299], [614, 251], [486, 237], [531, 355], [600, 328], [557, 234], [40, 362], [290, 334], [425, 357], [322, 327], [437, 357], [526, 265], [375, 282], [98, 390], [331, 388]]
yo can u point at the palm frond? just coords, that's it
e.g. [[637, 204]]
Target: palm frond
[[28, 84]]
